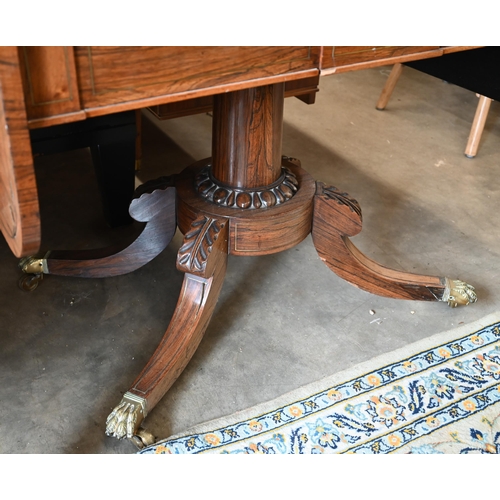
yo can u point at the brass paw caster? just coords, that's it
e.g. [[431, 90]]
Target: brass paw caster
[[459, 293]]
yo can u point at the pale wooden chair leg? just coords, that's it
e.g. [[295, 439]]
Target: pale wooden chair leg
[[389, 86], [476, 131]]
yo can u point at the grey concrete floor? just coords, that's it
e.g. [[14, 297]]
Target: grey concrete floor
[[70, 349]]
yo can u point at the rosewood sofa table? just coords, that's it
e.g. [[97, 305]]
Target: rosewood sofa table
[[247, 199]]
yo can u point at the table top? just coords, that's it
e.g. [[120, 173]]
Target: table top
[[71, 83], [44, 86]]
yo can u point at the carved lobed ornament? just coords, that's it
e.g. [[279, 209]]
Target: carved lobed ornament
[[152, 185], [144, 205], [274, 194]]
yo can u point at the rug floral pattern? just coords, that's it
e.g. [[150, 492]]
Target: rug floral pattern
[[443, 399]]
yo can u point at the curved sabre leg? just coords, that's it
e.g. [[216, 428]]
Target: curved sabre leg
[[336, 217], [203, 257], [155, 204]]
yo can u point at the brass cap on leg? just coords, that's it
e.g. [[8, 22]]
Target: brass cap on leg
[[124, 420]]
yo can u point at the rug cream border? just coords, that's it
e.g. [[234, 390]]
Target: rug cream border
[[324, 434]]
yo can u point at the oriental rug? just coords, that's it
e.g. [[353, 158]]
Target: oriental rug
[[439, 395]]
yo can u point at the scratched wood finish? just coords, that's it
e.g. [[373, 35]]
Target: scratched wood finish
[[200, 291], [336, 218], [252, 119], [155, 75], [49, 82], [19, 209]]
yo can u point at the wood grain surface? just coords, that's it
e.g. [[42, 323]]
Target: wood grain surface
[[349, 58], [252, 232], [251, 120], [49, 81], [197, 300], [19, 209], [336, 218], [304, 89], [155, 75], [154, 204]]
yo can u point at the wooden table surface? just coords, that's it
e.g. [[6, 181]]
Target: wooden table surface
[[44, 86]]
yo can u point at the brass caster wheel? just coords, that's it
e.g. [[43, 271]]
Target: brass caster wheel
[[29, 282], [143, 438]]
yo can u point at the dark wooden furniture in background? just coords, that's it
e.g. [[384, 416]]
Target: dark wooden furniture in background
[[112, 142], [247, 199]]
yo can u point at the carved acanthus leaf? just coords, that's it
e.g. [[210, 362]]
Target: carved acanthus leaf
[[198, 243]]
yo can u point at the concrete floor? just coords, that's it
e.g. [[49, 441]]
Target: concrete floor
[[70, 349]]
